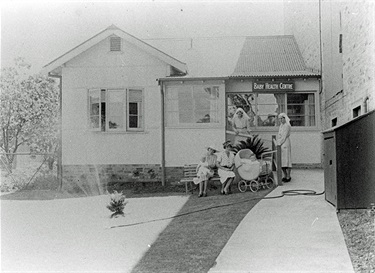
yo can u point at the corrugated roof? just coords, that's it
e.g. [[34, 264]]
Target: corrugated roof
[[267, 56]]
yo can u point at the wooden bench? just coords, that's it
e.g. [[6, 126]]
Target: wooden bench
[[190, 172]]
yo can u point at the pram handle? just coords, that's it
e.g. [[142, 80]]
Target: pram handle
[[267, 153]]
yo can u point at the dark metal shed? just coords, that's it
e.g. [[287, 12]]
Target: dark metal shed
[[349, 163]]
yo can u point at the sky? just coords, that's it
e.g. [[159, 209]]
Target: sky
[[41, 31]]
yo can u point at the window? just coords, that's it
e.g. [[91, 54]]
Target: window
[[192, 104], [340, 43], [263, 108], [115, 43], [334, 122], [357, 111], [135, 119], [301, 109], [107, 110]]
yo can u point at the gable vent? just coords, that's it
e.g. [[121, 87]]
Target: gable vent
[[115, 44]]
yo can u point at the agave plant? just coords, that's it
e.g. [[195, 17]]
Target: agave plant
[[117, 204], [254, 143]]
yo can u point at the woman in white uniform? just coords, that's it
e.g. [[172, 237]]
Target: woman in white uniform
[[241, 122], [225, 164], [283, 140]]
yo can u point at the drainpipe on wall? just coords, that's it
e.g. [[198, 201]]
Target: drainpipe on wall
[[320, 47], [162, 135], [59, 156]]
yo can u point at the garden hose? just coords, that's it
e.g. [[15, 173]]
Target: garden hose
[[283, 194]]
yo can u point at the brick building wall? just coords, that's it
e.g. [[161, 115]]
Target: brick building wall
[[344, 33]]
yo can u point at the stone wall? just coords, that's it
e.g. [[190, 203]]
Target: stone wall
[[347, 74], [93, 179], [358, 56]]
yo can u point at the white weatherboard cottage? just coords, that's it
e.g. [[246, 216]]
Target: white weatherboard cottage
[[128, 105]]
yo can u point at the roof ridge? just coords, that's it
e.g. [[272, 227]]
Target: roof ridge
[[269, 36]]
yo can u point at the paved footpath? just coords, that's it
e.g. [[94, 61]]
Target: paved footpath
[[289, 234]]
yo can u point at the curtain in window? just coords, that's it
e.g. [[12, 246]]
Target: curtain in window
[[280, 99], [94, 109], [192, 104]]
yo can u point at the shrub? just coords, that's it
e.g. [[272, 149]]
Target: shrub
[[117, 204]]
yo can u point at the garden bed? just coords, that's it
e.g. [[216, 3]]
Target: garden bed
[[358, 227]]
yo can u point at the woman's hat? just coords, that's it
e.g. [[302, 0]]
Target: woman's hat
[[212, 147]]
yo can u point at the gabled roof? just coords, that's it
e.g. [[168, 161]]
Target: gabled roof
[[55, 65], [271, 56], [206, 57]]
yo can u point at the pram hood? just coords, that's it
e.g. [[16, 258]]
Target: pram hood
[[247, 169]]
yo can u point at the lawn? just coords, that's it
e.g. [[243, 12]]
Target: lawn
[[192, 243]]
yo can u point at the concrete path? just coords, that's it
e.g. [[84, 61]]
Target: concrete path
[[289, 234], [76, 235]]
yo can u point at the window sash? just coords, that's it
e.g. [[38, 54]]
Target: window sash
[[135, 110], [192, 105], [113, 110]]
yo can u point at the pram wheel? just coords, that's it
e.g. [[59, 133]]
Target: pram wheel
[[269, 183], [254, 186], [242, 185]]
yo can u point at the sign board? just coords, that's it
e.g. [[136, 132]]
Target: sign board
[[273, 85]]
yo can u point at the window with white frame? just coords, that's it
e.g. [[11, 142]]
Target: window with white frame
[[191, 105], [263, 108], [112, 110], [135, 106]]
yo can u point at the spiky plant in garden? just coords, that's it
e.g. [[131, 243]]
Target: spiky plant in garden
[[254, 143], [117, 204]]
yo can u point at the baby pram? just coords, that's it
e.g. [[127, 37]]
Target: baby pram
[[254, 173]]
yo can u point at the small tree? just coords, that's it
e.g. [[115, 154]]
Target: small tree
[[29, 111]]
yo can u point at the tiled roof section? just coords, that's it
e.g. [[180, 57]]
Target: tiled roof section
[[267, 56]]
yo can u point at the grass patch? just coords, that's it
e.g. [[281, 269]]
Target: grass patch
[[358, 227], [191, 243]]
